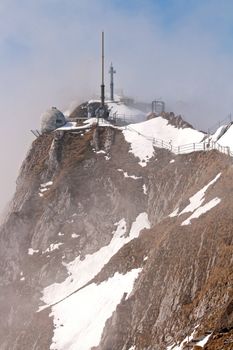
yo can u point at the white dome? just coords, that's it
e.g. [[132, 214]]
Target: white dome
[[52, 119]]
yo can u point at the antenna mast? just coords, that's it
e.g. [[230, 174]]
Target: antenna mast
[[111, 72], [102, 84]]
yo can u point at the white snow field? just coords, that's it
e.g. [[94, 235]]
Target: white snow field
[[80, 319], [218, 133], [141, 137], [227, 138], [83, 271], [80, 310]]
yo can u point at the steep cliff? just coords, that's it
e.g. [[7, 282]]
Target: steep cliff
[[113, 243]]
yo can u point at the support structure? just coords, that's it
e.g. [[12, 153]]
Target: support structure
[[102, 111], [158, 106], [112, 72], [102, 84]]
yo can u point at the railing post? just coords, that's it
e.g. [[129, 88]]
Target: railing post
[[178, 149], [194, 146]]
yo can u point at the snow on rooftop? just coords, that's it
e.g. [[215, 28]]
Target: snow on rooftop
[[141, 135], [83, 271], [80, 319]]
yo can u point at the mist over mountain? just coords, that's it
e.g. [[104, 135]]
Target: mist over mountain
[[119, 236], [50, 56]]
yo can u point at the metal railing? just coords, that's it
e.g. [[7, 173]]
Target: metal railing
[[217, 125], [123, 119], [187, 148]]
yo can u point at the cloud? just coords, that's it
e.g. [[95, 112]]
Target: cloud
[[50, 55]]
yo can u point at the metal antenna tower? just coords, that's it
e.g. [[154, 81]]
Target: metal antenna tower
[[112, 72], [102, 84]]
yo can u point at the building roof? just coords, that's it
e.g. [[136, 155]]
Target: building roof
[[52, 119]]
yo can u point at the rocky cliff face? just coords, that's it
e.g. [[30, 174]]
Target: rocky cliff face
[[99, 252]]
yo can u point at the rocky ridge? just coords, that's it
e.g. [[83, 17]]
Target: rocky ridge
[[72, 191]]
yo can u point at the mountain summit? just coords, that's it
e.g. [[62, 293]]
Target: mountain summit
[[120, 237]]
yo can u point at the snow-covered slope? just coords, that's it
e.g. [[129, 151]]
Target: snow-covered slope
[[79, 320], [227, 137], [128, 113], [218, 134], [141, 137], [79, 271], [83, 271]]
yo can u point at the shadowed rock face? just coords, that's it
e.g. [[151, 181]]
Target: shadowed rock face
[[186, 277]]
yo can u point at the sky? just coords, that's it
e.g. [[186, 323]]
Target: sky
[[177, 50]]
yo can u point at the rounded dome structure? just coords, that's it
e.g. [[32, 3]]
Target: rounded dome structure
[[52, 119]]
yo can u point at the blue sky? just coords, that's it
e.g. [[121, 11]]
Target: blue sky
[[180, 50]]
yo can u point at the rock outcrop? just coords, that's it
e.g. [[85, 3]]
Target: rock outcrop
[[75, 191]]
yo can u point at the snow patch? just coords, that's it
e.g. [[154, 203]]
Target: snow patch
[[142, 136], [202, 210], [183, 343], [80, 319], [83, 271], [220, 131], [52, 247], [188, 340], [47, 184], [197, 199], [32, 251], [126, 175], [144, 189], [204, 341], [195, 203], [22, 278], [174, 213], [227, 138], [74, 235], [44, 187]]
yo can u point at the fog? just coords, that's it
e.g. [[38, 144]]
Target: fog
[[50, 56]]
